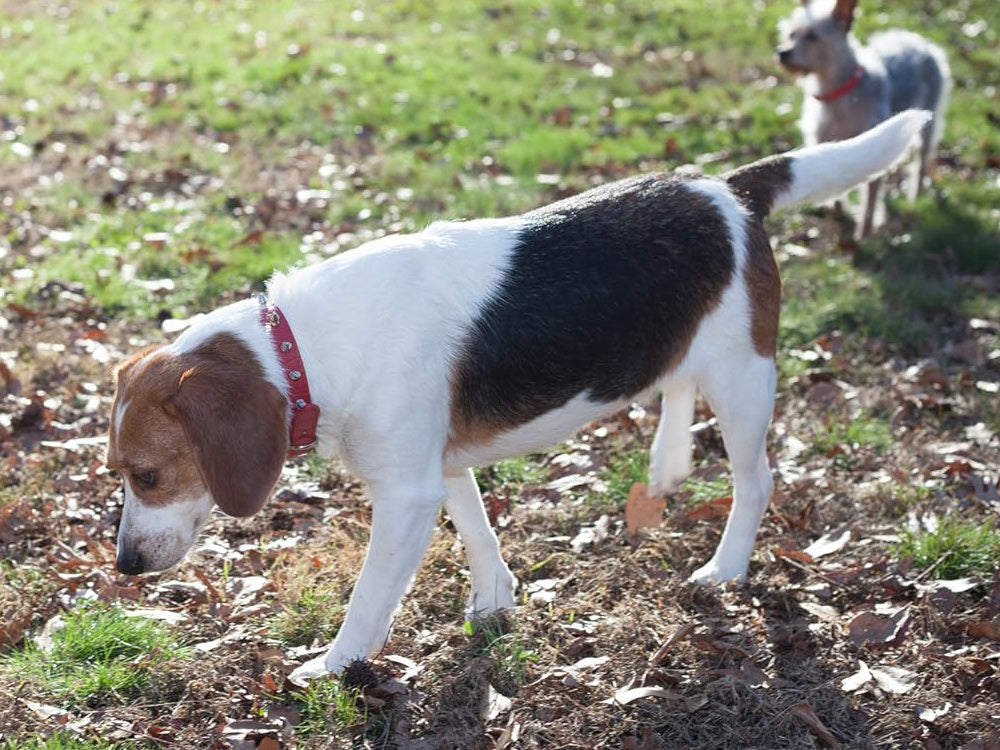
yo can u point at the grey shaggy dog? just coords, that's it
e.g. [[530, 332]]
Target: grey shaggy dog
[[850, 87]]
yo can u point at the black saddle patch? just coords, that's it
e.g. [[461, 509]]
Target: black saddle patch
[[604, 293]]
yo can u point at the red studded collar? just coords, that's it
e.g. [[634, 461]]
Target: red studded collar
[[305, 414], [847, 88]]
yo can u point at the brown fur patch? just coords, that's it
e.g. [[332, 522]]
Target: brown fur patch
[[206, 418], [756, 185], [465, 429], [764, 289]]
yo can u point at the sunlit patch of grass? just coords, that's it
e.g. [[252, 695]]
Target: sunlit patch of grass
[[311, 615], [114, 265], [844, 438], [956, 548], [69, 742], [99, 654], [703, 490], [901, 285], [328, 706], [623, 469], [498, 639], [510, 475]]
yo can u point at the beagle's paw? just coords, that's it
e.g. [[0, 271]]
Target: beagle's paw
[[309, 671], [484, 601], [714, 572]]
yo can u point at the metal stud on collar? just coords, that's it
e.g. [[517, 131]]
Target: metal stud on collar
[[295, 374], [286, 346], [300, 403]]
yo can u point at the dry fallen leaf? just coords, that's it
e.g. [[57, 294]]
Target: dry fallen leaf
[[45, 711], [805, 712], [626, 695], [894, 679], [857, 680], [984, 629], [641, 510], [823, 612], [682, 632], [591, 534], [496, 506], [829, 543], [494, 704], [791, 553], [710, 510], [871, 628], [930, 715]]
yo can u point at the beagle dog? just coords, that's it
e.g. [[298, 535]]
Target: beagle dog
[[416, 357]]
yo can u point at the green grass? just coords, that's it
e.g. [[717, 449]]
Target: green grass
[[327, 706], [510, 475], [703, 490], [847, 438], [862, 431], [956, 548], [69, 742], [99, 655], [313, 615], [497, 638], [902, 286], [624, 468], [403, 98]]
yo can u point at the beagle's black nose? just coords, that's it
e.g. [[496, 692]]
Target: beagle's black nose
[[784, 55], [129, 561]]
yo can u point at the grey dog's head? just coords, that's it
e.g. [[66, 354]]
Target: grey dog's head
[[814, 37]]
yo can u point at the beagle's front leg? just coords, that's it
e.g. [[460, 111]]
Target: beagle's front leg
[[402, 521]]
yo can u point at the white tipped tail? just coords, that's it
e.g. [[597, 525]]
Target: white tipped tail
[[827, 170]]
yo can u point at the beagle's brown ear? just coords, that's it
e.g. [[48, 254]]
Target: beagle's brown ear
[[843, 12], [235, 421]]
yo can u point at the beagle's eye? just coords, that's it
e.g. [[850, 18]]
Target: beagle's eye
[[811, 36], [145, 479]]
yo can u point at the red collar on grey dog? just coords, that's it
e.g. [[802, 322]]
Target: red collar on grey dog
[[305, 414], [847, 88]]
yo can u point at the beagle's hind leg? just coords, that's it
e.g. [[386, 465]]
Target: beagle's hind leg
[[670, 454], [741, 392]]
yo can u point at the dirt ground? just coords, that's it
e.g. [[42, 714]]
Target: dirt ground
[[843, 645]]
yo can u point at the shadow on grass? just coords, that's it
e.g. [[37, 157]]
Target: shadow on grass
[[914, 285]]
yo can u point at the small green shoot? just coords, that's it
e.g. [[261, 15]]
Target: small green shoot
[[955, 549], [703, 490], [327, 706], [499, 641], [623, 470], [510, 476], [845, 439], [313, 615], [68, 742]]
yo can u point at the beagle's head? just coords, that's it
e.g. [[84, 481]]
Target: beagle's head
[[189, 430]]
